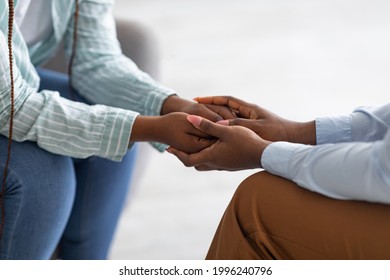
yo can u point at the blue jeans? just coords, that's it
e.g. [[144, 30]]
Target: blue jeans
[[53, 201]]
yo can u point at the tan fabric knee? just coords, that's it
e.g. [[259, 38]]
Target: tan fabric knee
[[272, 218]]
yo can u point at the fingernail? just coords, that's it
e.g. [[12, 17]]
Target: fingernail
[[223, 122], [195, 120]]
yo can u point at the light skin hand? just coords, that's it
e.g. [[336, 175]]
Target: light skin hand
[[237, 148], [263, 122], [172, 129]]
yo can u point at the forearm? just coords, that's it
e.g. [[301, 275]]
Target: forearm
[[174, 104], [370, 123], [344, 171], [146, 129], [102, 74], [72, 129], [364, 124], [117, 82], [55, 124], [302, 132]]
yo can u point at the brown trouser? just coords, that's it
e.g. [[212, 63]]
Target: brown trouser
[[272, 218]]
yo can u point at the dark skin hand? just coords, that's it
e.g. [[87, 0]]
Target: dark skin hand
[[172, 127], [237, 148], [212, 112], [264, 123]]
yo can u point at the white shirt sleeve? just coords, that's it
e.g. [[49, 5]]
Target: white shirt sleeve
[[357, 169], [364, 124]]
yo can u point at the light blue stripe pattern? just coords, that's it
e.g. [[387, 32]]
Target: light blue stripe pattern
[[101, 74]]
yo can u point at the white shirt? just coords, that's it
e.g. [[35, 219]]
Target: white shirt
[[34, 20], [351, 159]]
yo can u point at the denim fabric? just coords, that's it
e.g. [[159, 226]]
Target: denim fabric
[[52, 199], [38, 198]]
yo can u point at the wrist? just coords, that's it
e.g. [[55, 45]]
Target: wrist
[[302, 132], [264, 144], [174, 104], [145, 129]]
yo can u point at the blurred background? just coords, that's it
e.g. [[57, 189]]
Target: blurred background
[[298, 58]]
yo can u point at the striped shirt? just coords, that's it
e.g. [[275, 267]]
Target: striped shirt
[[101, 74]]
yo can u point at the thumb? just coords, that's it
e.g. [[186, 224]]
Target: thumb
[[224, 122], [207, 126]]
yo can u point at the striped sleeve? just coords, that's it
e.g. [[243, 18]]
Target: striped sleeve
[[71, 128], [102, 74], [54, 123]]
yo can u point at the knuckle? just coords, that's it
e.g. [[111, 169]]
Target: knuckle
[[200, 168], [217, 118], [234, 122], [186, 161], [206, 125]]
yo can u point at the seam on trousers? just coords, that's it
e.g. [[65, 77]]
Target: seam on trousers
[[274, 237]]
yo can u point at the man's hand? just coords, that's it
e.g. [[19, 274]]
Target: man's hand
[[171, 129], [210, 111], [263, 122], [237, 148]]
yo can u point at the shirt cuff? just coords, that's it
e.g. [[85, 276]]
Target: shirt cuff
[[159, 146], [276, 158], [155, 101], [333, 129], [116, 135]]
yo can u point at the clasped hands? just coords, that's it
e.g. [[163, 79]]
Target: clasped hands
[[235, 142], [238, 140], [220, 132]]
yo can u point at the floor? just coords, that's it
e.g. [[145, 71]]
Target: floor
[[299, 58]]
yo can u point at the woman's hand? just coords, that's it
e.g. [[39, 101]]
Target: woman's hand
[[237, 148], [210, 111], [263, 122], [172, 129]]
